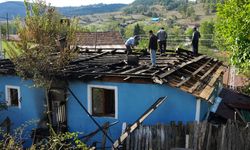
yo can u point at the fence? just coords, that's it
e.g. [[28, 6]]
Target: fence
[[202, 136], [174, 41]]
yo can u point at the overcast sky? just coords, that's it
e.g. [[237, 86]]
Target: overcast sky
[[60, 3]]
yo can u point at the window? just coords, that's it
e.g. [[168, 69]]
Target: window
[[103, 101], [12, 95]]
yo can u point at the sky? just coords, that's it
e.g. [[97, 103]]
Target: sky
[[60, 3]]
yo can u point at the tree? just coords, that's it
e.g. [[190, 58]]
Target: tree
[[190, 11], [183, 10], [233, 32], [122, 31], [207, 32], [11, 27], [189, 32], [42, 35], [138, 30]]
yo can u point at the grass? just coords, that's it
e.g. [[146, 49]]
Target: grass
[[10, 49], [215, 53]]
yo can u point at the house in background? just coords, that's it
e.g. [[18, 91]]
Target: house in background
[[100, 40], [155, 19], [114, 87]]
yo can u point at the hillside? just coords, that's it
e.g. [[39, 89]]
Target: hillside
[[139, 6], [15, 9], [90, 9]]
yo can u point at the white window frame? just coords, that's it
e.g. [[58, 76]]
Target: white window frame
[[7, 95], [103, 87]]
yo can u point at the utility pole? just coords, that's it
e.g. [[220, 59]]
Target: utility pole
[[1, 49], [8, 33]]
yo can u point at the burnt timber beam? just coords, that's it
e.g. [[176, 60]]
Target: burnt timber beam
[[118, 74], [196, 85], [210, 87], [161, 69], [137, 123], [92, 57], [120, 69], [187, 71], [134, 69], [130, 80], [180, 66], [142, 71], [194, 73], [92, 48]]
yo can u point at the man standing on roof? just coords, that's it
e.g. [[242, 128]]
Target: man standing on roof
[[195, 40], [152, 46], [131, 42], [162, 39]]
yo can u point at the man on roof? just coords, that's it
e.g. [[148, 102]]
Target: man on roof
[[131, 42], [152, 46], [195, 40], [162, 39]]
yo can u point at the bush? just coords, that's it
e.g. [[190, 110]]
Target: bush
[[65, 140]]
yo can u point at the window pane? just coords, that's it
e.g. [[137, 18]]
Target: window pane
[[103, 102], [110, 102], [13, 97], [97, 101]]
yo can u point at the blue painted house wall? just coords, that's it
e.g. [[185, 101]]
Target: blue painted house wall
[[133, 100], [32, 104], [204, 109]]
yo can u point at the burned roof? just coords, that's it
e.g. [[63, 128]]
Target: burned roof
[[100, 39], [6, 67], [194, 74]]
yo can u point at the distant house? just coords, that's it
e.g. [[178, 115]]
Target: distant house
[[155, 19], [100, 40], [114, 87]]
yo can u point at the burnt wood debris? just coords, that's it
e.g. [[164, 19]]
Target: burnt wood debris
[[194, 74]]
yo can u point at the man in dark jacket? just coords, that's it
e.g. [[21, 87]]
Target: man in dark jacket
[[152, 46], [195, 41]]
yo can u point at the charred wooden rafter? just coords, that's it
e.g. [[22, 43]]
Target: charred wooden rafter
[[177, 68]]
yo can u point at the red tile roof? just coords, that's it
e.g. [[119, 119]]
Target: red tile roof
[[99, 38]]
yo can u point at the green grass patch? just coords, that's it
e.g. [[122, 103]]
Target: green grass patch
[[9, 49], [215, 53]]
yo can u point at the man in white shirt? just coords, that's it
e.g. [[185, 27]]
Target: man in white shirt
[[131, 42]]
